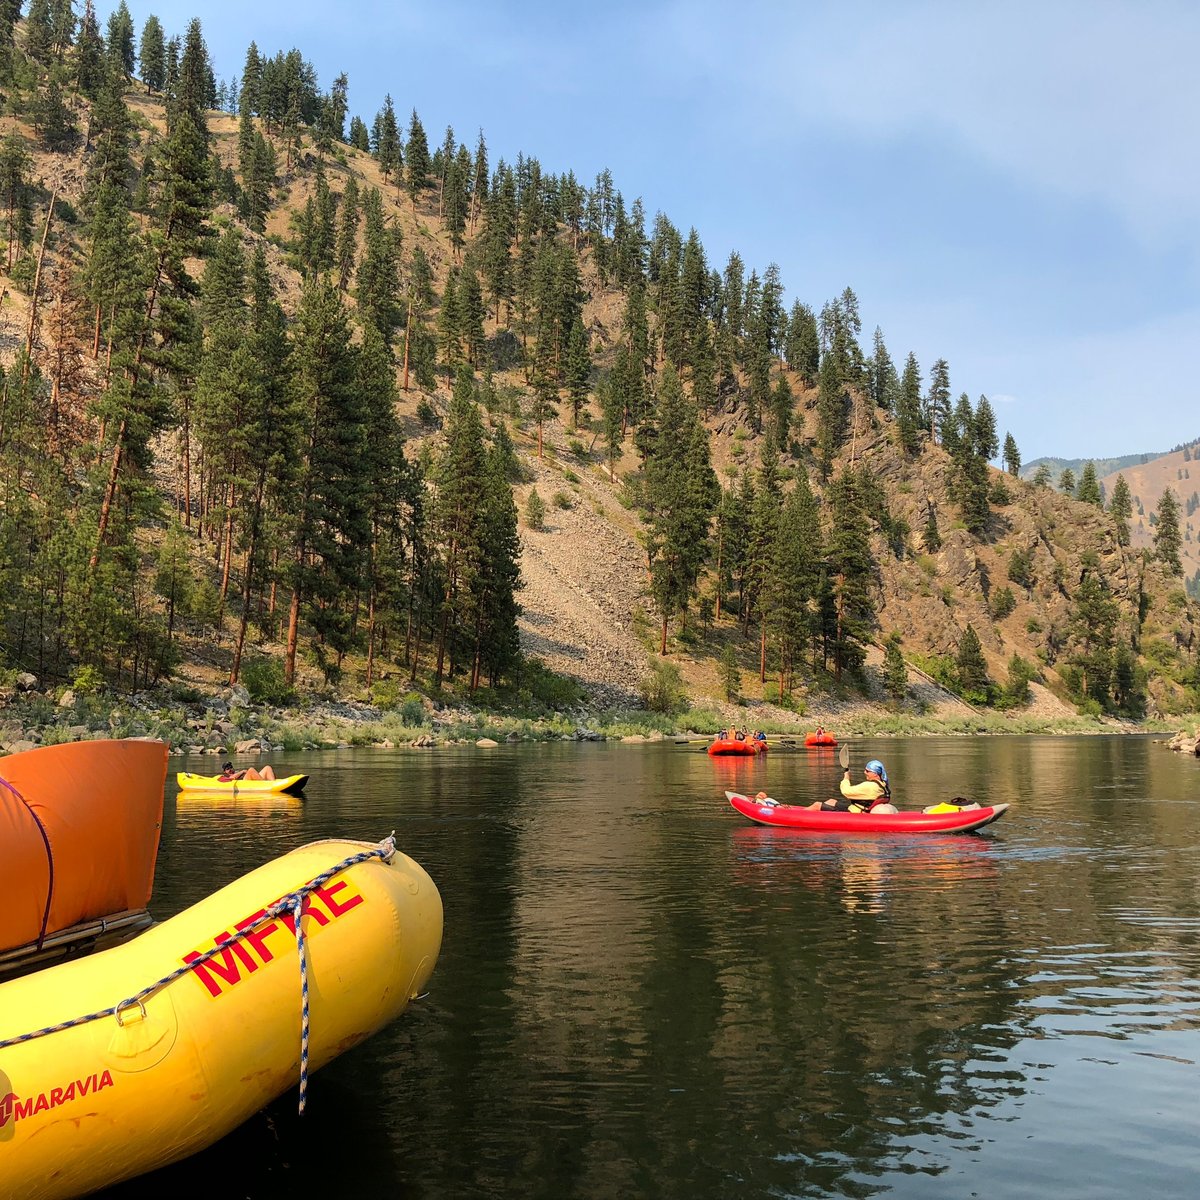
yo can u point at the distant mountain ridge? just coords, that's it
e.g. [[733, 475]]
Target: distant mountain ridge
[[1104, 466]]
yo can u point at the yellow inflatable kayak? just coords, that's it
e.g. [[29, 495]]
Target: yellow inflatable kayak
[[239, 787], [126, 1061]]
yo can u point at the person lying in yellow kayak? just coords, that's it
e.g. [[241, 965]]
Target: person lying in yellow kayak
[[872, 795], [229, 775]]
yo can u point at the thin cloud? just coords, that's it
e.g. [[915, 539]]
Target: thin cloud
[[1089, 100]]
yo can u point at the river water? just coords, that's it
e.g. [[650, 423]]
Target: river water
[[642, 995]]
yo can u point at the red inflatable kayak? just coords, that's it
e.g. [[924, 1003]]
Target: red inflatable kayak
[[820, 739], [747, 746], [790, 816]]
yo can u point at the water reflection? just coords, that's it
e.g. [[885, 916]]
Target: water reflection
[[642, 994]]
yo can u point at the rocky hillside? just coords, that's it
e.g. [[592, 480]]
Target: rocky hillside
[[586, 612], [1147, 481]]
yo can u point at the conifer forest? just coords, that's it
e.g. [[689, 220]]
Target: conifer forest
[[273, 370]]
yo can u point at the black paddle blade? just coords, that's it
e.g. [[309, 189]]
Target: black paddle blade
[[844, 758]]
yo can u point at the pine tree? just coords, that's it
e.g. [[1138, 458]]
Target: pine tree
[[1092, 631], [884, 383], [479, 181], [334, 109], [89, 54], [458, 199], [1088, 489], [612, 412], [420, 348], [120, 40], [328, 503], [498, 236], [851, 572], [681, 493], [250, 95], [15, 187], [578, 369], [803, 345], [1012, 456], [780, 413], [153, 55], [459, 483], [269, 432], [972, 667], [258, 181], [895, 673], [1066, 482], [347, 239], [1020, 568], [53, 119], [731, 675], [543, 404], [1041, 477], [1167, 542], [791, 583], [390, 493], [137, 410], [360, 138], [910, 421], [984, 429], [39, 31], [497, 574], [417, 156], [378, 276], [443, 163], [227, 374], [471, 312], [1120, 508], [761, 533], [386, 139], [832, 414], [938, 400], [931, 536]]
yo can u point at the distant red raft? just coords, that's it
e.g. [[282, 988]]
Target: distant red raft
[[790, 816], [820, 739], [746, 746]]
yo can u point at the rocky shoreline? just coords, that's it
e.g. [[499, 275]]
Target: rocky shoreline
[[227, 722], [1185, 743]]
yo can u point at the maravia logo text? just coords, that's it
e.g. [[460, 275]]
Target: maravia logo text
[[321, 905], [13, 1108]]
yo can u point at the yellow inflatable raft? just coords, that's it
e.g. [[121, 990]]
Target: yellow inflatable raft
[[117, 1064], [213, 783]]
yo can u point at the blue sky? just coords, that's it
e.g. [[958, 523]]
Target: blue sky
[[1013, 187]]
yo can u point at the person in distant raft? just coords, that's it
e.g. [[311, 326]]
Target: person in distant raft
[[229, 775], [872, 795]]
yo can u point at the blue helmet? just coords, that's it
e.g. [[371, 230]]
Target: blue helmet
[[877, 768]]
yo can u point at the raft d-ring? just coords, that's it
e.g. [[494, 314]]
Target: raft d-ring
[[118, 1010]]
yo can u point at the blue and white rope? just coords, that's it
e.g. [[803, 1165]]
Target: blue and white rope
[[300, 944], [292, 903]]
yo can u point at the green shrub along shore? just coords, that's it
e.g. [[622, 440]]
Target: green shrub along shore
[[231, 720]]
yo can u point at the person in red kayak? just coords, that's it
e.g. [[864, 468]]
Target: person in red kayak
[[872, 795], [229, 775]]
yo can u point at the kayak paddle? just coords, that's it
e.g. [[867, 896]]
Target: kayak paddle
[[844, 758]]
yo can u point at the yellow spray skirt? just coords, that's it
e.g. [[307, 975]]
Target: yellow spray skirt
[[88, 1106]]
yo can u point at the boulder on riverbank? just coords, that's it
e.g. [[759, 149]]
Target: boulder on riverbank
[[1185, 743]]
